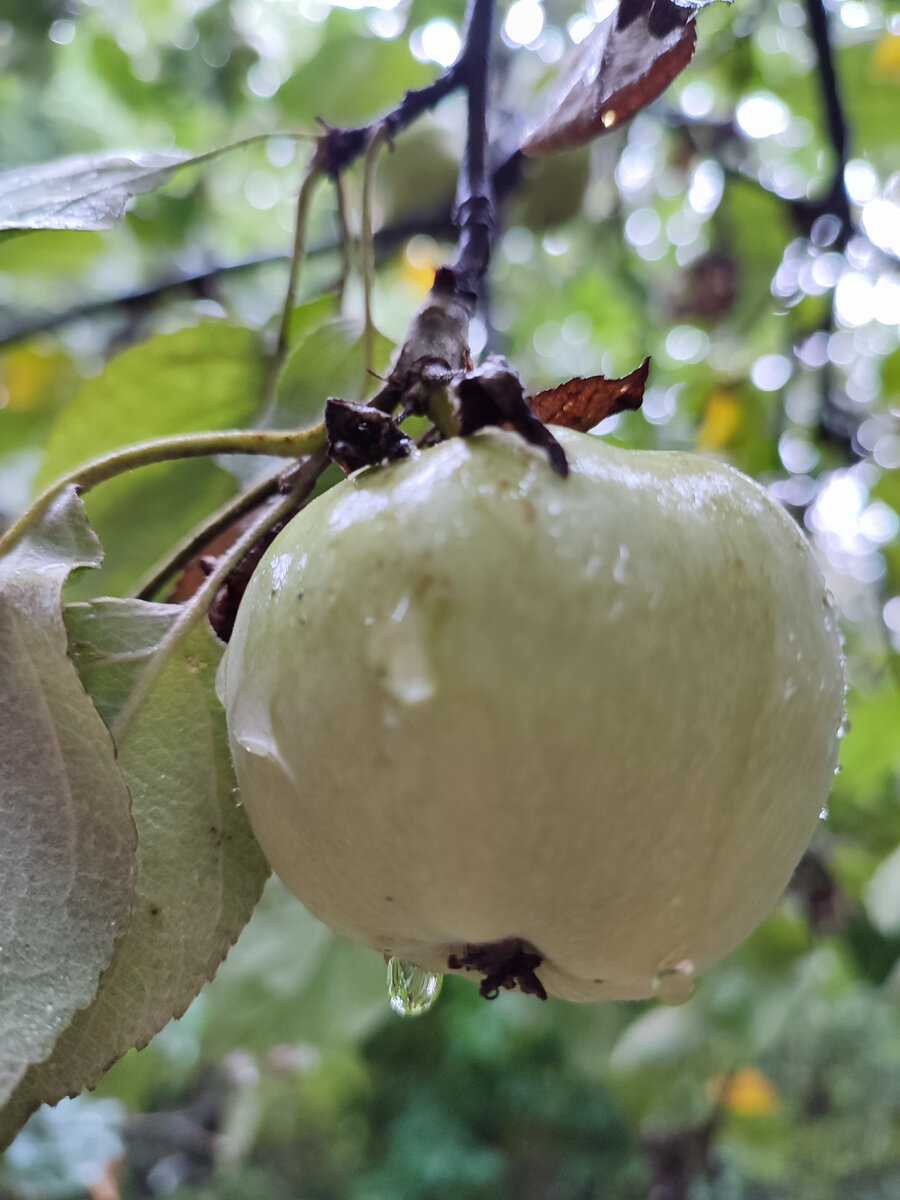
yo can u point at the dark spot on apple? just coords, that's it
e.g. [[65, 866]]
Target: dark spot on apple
[[508, 964]]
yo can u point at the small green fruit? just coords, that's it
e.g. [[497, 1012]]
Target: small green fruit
[[470, 700]]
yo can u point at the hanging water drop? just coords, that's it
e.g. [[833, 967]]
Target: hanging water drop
[[675, 984], [823, 813], [412, 990], [844, 727]]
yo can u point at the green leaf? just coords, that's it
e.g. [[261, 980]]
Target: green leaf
[[84, 191], [380, 70], [329, 361], [292, 974], [199, 869], [67, 854], [205, 377], [871, 751]]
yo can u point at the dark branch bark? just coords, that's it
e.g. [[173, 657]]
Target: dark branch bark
[[835, 202], [475, 209], [345, 145]]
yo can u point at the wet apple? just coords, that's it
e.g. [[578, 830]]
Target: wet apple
[[473, 704]]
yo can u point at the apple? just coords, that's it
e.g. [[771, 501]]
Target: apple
[[477, 709]]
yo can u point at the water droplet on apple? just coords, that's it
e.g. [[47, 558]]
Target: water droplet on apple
[[675, 984], [411, 989], [620, 570], [592, 566], [398, 655]]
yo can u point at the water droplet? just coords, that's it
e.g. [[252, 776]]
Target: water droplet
[[823, 813], [790, 689], [278, 569], [592, 566], [838, 769], [412, 990], [397, 653], [620, 570], [675, 984], [844, 727]]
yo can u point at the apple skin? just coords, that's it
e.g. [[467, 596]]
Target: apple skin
[[470, 700]]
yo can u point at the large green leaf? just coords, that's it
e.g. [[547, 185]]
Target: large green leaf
[[329, 361], [205, 377], [292, 974], [380, 71], [67, 852], [84, 191], [199, 869]]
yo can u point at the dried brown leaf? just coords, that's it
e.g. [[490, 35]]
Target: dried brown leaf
[[583, 403], [628, 60]]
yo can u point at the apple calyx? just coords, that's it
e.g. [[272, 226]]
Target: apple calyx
[[504, 964]]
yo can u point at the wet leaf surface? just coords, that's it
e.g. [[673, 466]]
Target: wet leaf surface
[[67, 851], [199, 869], [628, 60], [583, 403]]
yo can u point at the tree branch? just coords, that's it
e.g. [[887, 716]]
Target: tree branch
[[345, 145], [475, 211], [836, 201]]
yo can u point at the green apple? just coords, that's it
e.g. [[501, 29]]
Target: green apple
[[470, 700]]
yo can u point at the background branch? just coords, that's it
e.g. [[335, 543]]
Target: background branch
[[836, 201]]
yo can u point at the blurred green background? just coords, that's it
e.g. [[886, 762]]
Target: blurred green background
[[695, 235]]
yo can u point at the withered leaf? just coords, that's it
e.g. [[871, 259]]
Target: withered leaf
[[583, 403], [628, 60], [492, 394], [361, 436]]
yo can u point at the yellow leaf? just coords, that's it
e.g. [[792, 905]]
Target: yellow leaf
[[26, 375], [721, 422], [421, 260], [747, 1093], [886, 57]]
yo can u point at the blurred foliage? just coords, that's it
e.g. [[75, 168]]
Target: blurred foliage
[[692, 235]]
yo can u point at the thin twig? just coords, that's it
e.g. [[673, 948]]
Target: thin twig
[[274, 443], [275, 360], [345, 242], [182, 553], [196, 609], [345, 145], [304, 199]]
